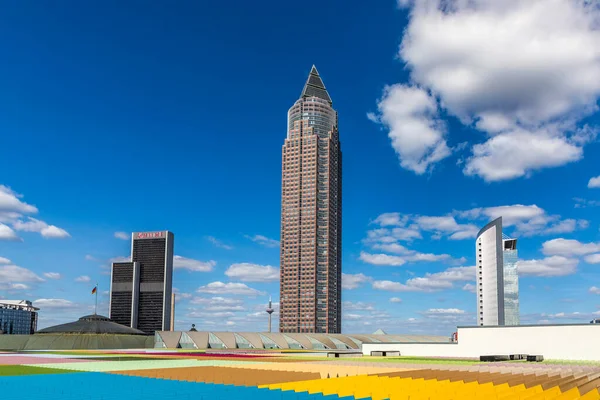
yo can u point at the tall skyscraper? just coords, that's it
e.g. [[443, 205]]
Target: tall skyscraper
[[140, 294], [497, 277], [311, 215]]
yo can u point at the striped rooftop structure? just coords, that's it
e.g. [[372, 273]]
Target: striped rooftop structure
[[283, 341], [160, 375]]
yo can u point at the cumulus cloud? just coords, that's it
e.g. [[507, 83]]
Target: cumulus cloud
[[6, 233], [354, 281], [431, 282], [11, 205], [230, 288], [443, 311], [549, 266], [527, 220], [15, 274], [594, 182], [594, 290], [381, 259], [504, 81], [247, 272], [4, 260], [122, 235], [395, 300], [83, 279], [219, 304], [217, 243], [357, 306], [592, 258], [410, 114], [190, 264], [35, 225], [469, 287], [52, 275], [54, 304], [569, 247], [391, 219], [263, 240]]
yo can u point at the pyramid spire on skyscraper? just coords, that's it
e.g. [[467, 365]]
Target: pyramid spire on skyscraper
[[314, 86]]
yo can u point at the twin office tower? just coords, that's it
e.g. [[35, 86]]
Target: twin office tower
[[141, 289]]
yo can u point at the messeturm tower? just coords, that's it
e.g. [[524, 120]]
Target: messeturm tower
[[311, 215]]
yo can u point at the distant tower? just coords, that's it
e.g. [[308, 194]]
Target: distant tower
[[270, 311], [497, 276]]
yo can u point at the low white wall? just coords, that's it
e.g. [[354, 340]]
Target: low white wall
[[555, 342]]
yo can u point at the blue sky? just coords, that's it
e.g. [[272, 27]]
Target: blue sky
[[120, 118]]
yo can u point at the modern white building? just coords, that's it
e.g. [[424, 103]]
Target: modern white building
[[497, 278]]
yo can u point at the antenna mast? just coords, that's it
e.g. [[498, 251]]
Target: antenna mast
[[270, 311]]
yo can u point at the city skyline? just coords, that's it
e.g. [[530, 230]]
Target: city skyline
[[115, 121]]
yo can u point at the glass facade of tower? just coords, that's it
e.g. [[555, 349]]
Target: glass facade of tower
[[18, 317], [511, 281], [310, 298]]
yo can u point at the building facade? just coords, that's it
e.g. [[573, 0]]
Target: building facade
[[497, 278], [511, 280], [311, 215], [18, 317], [141, 289]]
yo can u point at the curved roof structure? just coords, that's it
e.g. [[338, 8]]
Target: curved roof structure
[[92, 324], [297, 341]]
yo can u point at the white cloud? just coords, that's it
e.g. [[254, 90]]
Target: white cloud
[[219, 304], [230, 288], [353, 281], [122, 235], [594, 290], [395, 300], [392, 248], [14, 273], [469, 287], [54, 304], [83, 278], [569, 247], [391, 219], [357, 306], [381, 259], [504, 81], [90, 258], [6, 233], [410, 114], [519, 153], [263, 240], [431, 282], [592, 259], [447, 224], [413, 256], [594, 182], [217, 243], [247, 272], [52, 275], [35, 225], [384, 235], [18, 286], [4, 260], [549, 266], [528, 220], [583, 203], [11, 205], [190, 264], [444, 311]]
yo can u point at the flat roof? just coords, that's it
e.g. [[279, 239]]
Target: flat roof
[[523, 326]]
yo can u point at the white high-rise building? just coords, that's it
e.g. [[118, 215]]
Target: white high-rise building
[[497, 278]]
